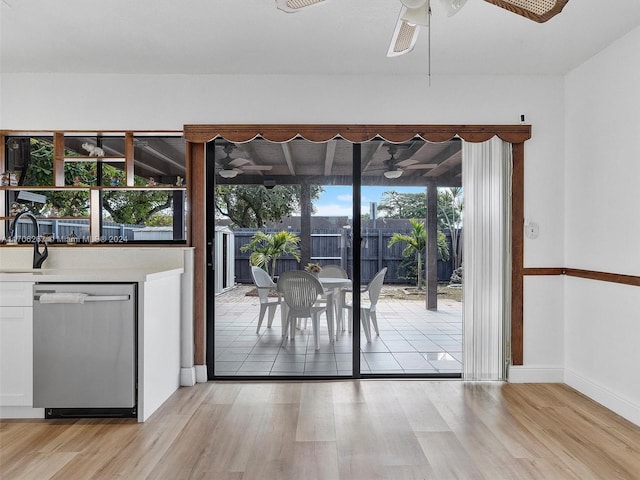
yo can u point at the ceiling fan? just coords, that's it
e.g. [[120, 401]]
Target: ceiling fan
[[394, 168], [417, 13], [231, 167]]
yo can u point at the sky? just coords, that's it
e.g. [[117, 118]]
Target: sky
[[336, 200]]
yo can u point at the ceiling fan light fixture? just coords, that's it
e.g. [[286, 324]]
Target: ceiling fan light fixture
[[228, 173], [413, 3], [416, 16], [391, 174]]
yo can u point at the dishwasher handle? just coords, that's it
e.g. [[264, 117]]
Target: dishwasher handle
[[71, 297], [107, 298]]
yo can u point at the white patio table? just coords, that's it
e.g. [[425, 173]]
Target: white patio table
[[335, 300]]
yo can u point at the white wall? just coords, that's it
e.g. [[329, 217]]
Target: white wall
[[602, 198], [119, 102]]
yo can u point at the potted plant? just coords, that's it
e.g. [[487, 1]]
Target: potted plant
[[313, 268]]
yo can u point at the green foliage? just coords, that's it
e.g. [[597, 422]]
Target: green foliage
[[417, 243], [414, 205], [450, 207], [159, 220], [266, 248], [403, 205], [130, 207], [251, 206]]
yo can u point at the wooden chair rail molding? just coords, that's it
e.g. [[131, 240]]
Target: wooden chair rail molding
[[633, 280], [198, 135]]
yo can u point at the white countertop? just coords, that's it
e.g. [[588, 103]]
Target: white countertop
[[85, 274]]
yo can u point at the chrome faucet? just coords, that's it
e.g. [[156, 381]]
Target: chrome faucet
[[38, 257]]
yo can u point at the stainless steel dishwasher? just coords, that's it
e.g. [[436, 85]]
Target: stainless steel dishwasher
[[84, 344]]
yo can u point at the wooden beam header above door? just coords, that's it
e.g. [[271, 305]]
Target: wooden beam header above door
[[355, 133]]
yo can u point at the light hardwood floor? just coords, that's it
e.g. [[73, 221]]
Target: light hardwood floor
[[337, 430]]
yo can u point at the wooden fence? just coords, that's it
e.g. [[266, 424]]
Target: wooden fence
[[334, 247]]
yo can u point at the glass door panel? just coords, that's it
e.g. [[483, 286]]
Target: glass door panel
[[405, 328], [281, 207]]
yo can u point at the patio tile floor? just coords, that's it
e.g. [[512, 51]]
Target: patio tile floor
[[412, 340]]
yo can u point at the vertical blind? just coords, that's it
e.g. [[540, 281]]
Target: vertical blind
[[486, 179]]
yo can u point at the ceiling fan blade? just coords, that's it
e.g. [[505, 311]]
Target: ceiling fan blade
[[256, 167], [421, 166], [406, 163], [238, 162], [292, 6], [404, 36], [537, 10]]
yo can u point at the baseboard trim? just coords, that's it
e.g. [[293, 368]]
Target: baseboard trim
[[535, 374], [622, 406], [201, 374], [21, 412], [187, 377]]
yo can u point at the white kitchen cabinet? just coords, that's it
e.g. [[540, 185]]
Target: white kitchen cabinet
[[159, 333], [16, 343]]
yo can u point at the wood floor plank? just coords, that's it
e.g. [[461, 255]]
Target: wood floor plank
[[286, 393], [236, 437], [399, 443], [358, 445], [342, 430], [42, 466], [511, 433], [136, 455], [188, 455], [315, 461], [447, 457], [272, 455], [421, 413], [316, 420], [408, 472]]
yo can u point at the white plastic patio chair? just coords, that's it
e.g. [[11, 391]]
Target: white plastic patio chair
[[301, 291], [265, 285], [368, 313], [333, 271]]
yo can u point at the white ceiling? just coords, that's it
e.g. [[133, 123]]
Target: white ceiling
[[337, 37]]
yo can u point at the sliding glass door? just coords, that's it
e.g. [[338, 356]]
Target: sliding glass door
[[356, 218]]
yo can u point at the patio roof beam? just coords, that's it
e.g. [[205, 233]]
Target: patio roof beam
[[450, 158], [286, 150], [379, 180], [329, 156]]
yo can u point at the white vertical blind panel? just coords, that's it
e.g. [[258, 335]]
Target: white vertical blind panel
[[486, 178]]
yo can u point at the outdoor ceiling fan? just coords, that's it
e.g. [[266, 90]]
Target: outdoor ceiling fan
[[394, 168], [417, 13], [231, 167]]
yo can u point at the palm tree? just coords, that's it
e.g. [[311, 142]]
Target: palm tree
[[417, 243], [268, 247], [450, 208]]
